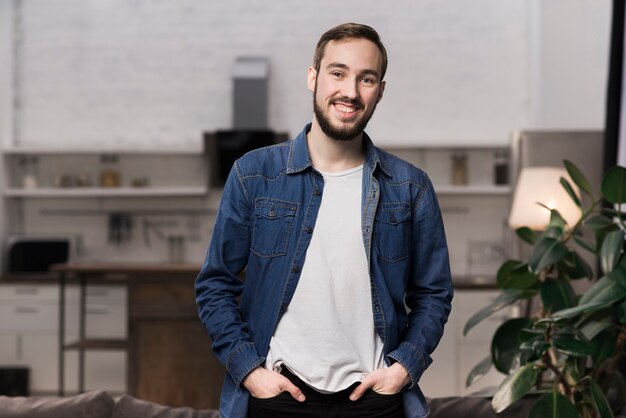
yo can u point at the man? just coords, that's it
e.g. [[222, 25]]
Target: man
[[347, 284]]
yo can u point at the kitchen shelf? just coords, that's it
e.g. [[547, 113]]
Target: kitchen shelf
[[98, 344], [473, 190], [102, 151], [107, 192]]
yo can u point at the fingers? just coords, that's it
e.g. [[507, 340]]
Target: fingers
[[293, 390], [362, 388]]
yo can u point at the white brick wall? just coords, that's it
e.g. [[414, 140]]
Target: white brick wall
[[148, 72], [159, 72]]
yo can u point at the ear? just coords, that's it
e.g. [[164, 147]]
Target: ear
[[382, 90], [311, 76]]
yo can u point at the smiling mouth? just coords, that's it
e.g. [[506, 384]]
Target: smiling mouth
[[346, 109]]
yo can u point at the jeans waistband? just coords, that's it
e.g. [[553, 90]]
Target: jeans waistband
[[311, 393]]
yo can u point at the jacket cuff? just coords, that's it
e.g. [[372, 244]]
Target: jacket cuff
[[242, 361], [414, 360]]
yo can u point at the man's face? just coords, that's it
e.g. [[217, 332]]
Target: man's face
[[347, 87]]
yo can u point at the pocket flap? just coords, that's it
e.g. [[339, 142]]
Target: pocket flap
[[393, 213], [274, 209]]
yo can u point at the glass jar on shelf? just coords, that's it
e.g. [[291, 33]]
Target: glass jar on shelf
[[110, 172], [30, 171], [459, 168]]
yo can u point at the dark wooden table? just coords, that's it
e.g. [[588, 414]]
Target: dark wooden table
[[169, 357]]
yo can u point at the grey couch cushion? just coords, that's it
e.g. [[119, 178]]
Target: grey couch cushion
[[457, 406], [86, 405], [128, 407]]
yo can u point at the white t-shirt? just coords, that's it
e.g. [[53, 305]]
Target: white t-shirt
[[327, 336]]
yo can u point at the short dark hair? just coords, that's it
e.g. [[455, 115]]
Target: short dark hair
[[348, 31]]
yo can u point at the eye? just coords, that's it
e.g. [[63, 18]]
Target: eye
[[368, 80], [336, 74]]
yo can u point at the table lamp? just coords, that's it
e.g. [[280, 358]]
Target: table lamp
[[542, 185]]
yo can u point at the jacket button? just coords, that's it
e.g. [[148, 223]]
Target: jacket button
[[271, 213], [316, 192], [296, 269], [308, 229]]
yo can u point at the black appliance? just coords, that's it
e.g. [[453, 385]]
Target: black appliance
[[29, 256], [225, 146]]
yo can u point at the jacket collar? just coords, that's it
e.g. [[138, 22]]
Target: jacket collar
[[299, 158]]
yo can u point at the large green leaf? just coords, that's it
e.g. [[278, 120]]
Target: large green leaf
[[619, 273], [570, 191], [505, 345], [614, 185], [603, 346], [527, 234], [547, 252], [585, 244], [575, 266], [479, 370], [577, 176], [514, 387], [532, 349], [572, 346], [592, 326], [556, 295], [553, 405], [504, 299], [575, 311], [602, 405], [515, 275], [605, 290], [611, 249], [598, 222]]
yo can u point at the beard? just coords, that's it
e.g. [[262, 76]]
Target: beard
[[344, 133]]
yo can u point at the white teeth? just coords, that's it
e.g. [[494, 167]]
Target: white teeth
[[345, 109]]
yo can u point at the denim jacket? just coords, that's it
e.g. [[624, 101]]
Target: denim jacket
[[264, 225]]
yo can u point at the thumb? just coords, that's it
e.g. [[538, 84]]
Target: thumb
[[361, 388], [295, 392]]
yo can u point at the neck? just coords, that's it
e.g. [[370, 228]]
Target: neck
[[330, 155]]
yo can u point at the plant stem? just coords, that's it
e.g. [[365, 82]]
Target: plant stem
[[550, 361], [585, 214]]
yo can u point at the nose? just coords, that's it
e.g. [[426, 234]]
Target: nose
[[349, 89]]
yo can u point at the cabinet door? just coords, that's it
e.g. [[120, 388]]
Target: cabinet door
[[104, 370], [8, 349], [39, 352]]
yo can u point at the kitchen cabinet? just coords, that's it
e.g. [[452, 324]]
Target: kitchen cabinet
[[168, 351], [456, 354], [29, 334]]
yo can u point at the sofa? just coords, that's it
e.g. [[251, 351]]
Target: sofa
[[96, 404], [99, 404]]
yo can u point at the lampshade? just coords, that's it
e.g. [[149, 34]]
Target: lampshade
[[542, 184]]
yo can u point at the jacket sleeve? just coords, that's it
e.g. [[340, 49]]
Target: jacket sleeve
[[429, 289], [218, 285]]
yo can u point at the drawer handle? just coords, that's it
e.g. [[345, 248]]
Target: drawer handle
[[97, 292], [97, 311], [26, 310], [26, 291]]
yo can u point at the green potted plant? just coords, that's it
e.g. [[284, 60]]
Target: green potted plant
[[568, 350]]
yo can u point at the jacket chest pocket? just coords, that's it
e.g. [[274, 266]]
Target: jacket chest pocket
[[391, 231], [272, 226]]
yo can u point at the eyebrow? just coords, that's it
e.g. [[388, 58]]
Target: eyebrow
[[345, 67]]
